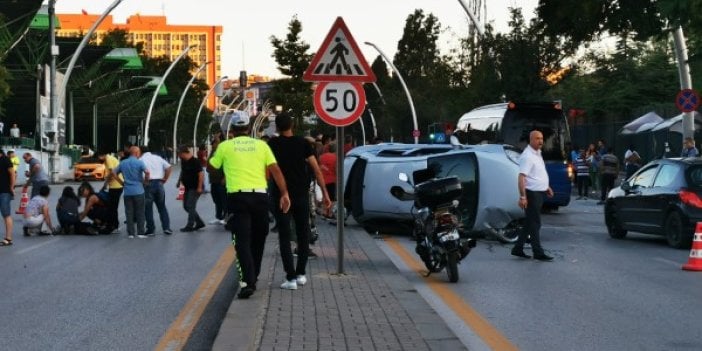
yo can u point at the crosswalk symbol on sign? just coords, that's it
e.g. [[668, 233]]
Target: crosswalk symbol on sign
[[339, 59]]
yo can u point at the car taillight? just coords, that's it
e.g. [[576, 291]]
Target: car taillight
[[690, 198], [569, 168]]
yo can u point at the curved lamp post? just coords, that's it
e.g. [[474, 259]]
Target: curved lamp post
[[404, 86], [202, 105], [83, 43], [180, 104], [153, 99], [475, 21], [60, 94]]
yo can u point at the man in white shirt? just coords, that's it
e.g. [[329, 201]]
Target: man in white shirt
[[533, 186], [159, 171]]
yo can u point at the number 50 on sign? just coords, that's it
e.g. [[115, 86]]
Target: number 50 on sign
[[339, 103]]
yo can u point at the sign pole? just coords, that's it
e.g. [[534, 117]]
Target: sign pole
[[340, 199]]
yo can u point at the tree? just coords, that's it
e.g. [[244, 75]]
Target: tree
[[583, 22], [294, 94], [119, 38]]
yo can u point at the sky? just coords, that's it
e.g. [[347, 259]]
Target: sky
[[248, 25]]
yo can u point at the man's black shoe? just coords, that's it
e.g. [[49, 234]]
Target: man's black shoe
[[245, 292], [543, 257], [520, 254], [199, 226], [187, 229]]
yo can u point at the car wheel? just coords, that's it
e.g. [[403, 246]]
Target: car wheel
[[675, 231], [613, 228]]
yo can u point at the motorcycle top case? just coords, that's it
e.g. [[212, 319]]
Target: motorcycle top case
[[436, 192]]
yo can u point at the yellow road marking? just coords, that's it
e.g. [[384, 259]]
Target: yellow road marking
[[180, 330], [490, 335]]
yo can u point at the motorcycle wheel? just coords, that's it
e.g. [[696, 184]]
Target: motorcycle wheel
[[452, 266]]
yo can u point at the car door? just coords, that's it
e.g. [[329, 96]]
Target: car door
[[633, 206], [664, 191]]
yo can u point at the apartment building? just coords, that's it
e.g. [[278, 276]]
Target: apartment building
[[159, 38]]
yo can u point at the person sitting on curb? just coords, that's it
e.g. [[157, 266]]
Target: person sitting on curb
[[36, 216]]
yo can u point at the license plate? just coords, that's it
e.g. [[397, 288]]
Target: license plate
[[87, 174]]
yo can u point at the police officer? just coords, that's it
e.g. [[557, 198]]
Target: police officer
[[245, 161]]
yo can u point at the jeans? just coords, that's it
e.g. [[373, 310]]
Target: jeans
[[134, 210], [113, 208], [249, 223], [607, 184], [583, 182], [300, 212], [36, 186], [190, 206], [532, 223], [219, 197], [154, 194]]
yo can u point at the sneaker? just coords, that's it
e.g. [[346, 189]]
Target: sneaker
[[130, 236], [199, 226], [245, 292], [214, 221], [289, 285], [141, 236], [222, 222], [168, 232], [301, 280]]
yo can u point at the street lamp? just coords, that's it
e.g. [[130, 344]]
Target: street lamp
[[180, 104], [404, 86], [57, 96], [95, 110], [478, 25], [202, 105], [153, 99]]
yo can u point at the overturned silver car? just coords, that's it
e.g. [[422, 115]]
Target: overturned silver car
[[488, 174]]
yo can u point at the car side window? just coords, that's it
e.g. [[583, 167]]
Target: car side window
[[644, 179], [667, 176]]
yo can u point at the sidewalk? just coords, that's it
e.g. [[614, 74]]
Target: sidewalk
[[371, 307]]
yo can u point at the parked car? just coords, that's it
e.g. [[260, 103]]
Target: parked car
[[88, 168], [663, 198], [488, 174]]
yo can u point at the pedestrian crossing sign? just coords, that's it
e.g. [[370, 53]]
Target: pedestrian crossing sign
[[339, 59]]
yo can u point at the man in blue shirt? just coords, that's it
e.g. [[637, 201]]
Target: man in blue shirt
[[135, 173], [689, 149]]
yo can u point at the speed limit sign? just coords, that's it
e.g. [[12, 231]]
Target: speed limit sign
[[339, 103]]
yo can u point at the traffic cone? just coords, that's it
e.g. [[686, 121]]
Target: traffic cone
[[23, 202], [181, 193], [695, 261]]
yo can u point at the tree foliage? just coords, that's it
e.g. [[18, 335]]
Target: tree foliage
[[291, 55]]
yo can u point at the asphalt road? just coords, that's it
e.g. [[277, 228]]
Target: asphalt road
[[598, 294], [109, 292]]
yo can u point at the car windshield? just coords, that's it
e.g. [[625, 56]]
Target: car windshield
[[84, 160]]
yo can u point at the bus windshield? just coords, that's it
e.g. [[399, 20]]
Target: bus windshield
[[513, 126], [518, 123]]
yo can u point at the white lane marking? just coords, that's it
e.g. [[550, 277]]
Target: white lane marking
[[34, 247], [466, 335], [667, 261]]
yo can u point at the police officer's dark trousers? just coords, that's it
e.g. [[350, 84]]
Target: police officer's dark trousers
[[249, 224]]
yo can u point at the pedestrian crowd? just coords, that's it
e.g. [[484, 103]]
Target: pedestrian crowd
[[597, 168], [289, 179]]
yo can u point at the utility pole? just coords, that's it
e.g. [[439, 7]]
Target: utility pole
[[54, 102], [688, 123]]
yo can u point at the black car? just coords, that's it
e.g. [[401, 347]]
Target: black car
[[663, 198]]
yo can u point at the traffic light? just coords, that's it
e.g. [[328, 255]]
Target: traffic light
[[431, 137]]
